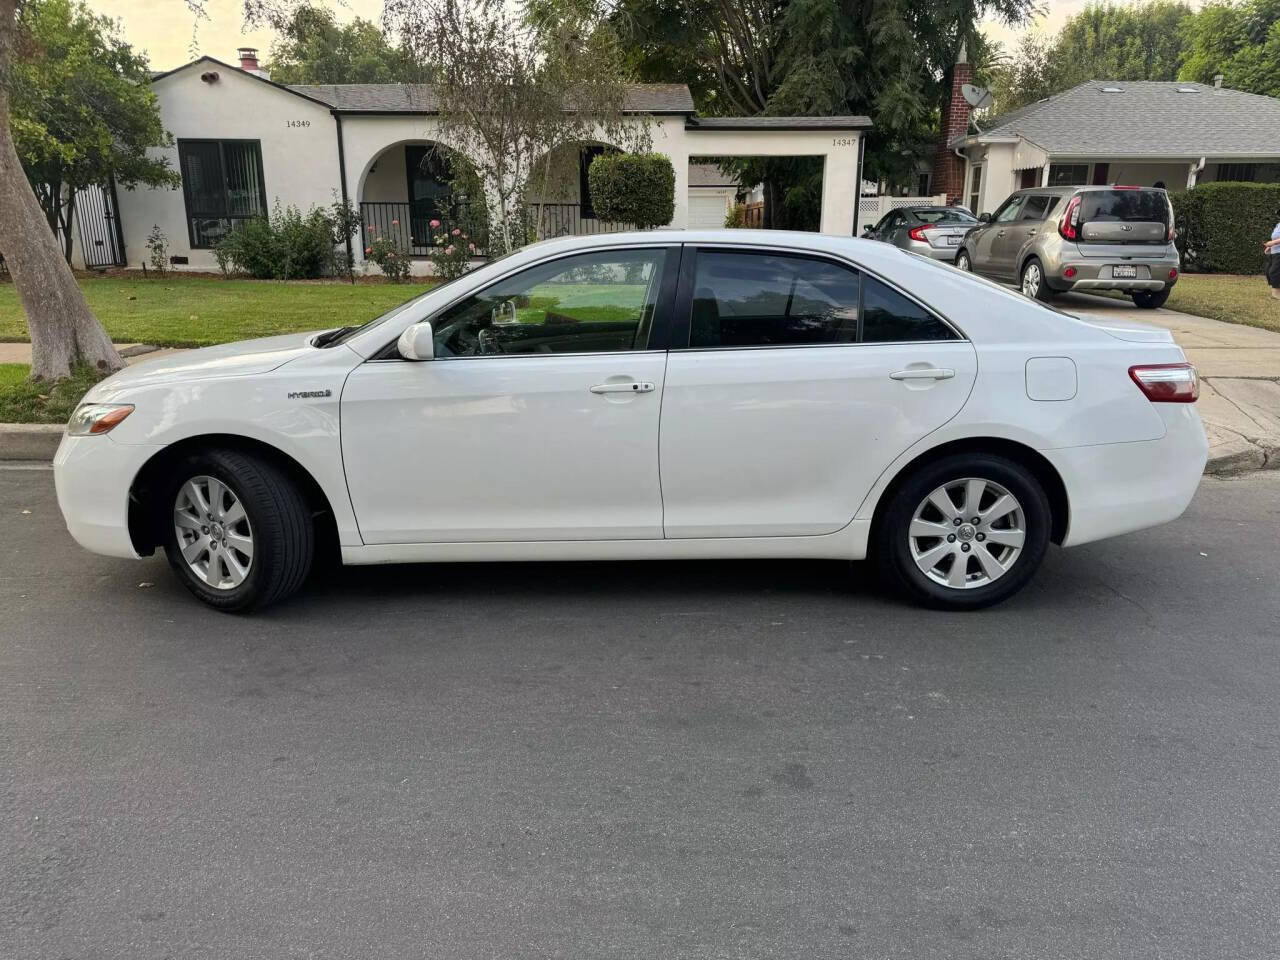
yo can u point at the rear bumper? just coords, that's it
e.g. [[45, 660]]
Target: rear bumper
[[1117, 488], [93, 476], [1095, 274], [925, 249], [1114, 285]]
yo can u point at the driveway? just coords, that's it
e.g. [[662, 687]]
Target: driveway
[[639, 760]]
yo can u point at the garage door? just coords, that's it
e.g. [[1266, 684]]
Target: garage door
[[706, 209]]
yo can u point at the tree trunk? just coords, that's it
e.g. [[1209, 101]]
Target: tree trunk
[[63, 329]]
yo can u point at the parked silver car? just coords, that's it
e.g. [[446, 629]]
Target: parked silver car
[[1054, 239], [935, 232]]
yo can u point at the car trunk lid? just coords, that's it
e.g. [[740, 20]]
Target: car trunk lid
[[1131, 331]]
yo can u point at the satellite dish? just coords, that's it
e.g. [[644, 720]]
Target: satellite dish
[[977, 97]]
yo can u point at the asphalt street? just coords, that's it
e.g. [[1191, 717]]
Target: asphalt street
[[643, 760]]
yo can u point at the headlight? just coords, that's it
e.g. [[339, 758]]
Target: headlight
[[93, 418]]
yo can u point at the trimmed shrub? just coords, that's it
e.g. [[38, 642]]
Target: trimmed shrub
[[634, 188], [736, 218], [288, 246], [1220, 227]]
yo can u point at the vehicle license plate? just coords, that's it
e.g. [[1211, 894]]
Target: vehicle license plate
[[1123, 272], [953, 241]]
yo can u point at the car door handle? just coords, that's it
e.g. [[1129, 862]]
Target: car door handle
[[923, 373], [999, 233], [626, 386]]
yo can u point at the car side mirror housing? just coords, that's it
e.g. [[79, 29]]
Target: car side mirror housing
[[984, 218], [867, 231], [418, 342]]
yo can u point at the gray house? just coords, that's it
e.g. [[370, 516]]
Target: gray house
[[1133, 132]]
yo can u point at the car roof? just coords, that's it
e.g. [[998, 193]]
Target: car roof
[[1081, 188]]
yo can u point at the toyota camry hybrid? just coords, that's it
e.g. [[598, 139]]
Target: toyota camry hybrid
[[649, 395]]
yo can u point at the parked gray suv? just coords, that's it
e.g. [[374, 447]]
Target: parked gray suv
[[1054, 239]]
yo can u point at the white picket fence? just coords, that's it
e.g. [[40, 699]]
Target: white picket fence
[[871, 209]]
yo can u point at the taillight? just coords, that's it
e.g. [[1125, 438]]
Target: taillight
[[1173, 273], [1168, 234], [1167, 382], [917, 233], [1069, 225]]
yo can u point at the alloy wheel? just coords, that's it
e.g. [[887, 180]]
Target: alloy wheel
[[962, 261], [967, 533], [1031, 280], [213, 532]]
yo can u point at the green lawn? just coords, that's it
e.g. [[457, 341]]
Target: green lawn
[[22, 401], [1228, 297], [185, 311]]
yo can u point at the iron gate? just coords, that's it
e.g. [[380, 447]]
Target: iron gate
[[101, 239]]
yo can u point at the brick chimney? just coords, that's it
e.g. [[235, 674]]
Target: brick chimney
[[948, 169], [249, 61]]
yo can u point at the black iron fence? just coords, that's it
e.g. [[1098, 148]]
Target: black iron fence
[[566, 220], [411, 232]]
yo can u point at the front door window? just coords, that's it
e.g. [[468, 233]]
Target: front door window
[[430, 190]]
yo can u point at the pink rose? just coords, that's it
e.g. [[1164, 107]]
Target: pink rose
[[435, 224], [449, 248], [368, 250], [395, 223], [471, 247], [371, 228], [457, 232]]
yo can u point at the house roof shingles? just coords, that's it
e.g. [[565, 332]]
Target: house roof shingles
[[421, 98], [1147, 119]]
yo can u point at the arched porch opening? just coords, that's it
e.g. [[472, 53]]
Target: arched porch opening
[[408, 186], [559, 200]]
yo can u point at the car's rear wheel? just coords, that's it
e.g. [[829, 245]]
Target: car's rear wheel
[[238, 532], [965, 532], [1151, 299], [1032, 281], [963, 262]]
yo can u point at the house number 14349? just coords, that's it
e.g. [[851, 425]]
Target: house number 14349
[[297, 123]]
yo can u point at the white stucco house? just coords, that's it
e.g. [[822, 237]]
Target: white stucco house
[[1147, 133], [244, 143]]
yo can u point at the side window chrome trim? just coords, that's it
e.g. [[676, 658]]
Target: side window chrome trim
[[839, 260]]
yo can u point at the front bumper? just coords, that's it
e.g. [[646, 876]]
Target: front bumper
[[93, 476], [1116, 488]]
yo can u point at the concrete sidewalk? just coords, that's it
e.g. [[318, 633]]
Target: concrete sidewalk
[[1240, 379], [132, 352]]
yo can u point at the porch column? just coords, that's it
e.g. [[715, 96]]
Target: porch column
[[840, 184]]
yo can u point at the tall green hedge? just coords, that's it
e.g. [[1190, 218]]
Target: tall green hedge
[[635, 188], [1221, 226]]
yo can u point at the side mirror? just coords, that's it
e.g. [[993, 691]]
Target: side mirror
[[868, 231], [418, 342], [984, 218]]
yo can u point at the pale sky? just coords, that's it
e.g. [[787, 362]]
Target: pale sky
[[163, 28]]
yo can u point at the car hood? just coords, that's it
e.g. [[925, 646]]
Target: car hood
[[241, 359]]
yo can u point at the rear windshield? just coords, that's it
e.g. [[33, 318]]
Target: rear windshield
[[943, 216], [1129, 206]]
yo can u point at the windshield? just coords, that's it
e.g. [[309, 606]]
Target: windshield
[[943, 215], [1127, 206], [401, 307]]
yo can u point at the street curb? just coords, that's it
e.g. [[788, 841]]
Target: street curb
[[29, 441], [39, 441]]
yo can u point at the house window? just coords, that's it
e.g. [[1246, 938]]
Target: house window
[[1245, 172], [430, 180], [922, 185], [222, 185], [1068, 174], [975, 188]]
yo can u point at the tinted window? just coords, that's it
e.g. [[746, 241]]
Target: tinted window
[[943, 216], [1134, 206], [889, 317], [1009, 211], [757, 299], [591, 303], [1036, 208]]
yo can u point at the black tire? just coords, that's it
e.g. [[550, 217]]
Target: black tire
[[1151, 299], [1042, 291], [893, 546], [963, 262], [279, 519]]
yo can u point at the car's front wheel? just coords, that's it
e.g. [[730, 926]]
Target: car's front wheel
[[1033, 284], [965, 531], [238, 533], [963, 262], [1151, 299]]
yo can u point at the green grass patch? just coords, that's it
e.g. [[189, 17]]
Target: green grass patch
[[22, 401], [187, 311], [1228, 297]]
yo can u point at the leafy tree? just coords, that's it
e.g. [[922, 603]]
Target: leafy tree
[[1240, 41], [82, 110], [64, 332], [314, 48]]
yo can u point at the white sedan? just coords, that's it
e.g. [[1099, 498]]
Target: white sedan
[[649, 395]]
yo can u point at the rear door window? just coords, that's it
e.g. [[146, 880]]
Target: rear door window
[[1036, 207], [1124, 206]]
